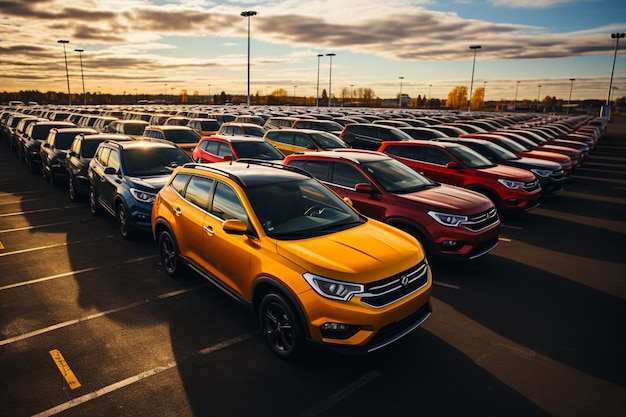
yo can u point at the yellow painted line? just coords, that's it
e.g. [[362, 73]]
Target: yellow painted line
[[1, 246], [65, 369]]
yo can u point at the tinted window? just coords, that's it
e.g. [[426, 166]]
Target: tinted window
[[179, 182], [226, 204], [114, 161], [347, 175], [103, 155], [198, 190], [436, 156], [319, 169], [88, 148]]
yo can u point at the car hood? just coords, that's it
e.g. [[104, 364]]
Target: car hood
[[453, 199], [155, 182], [360, 254], [511, 173]]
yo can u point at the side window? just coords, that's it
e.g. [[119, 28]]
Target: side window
[[319, 169], [286, 138], [302, 141], [103, 156], [384, 134], [114, 161], [212, 147], [224, 149], [347, 175], [179, 182], [436, 156], [198, 191], [227, 130], [226, 204], [409, 152]]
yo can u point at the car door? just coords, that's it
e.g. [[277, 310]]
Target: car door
[[110, 180], [227, 255]]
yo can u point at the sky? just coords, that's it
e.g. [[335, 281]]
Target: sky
[[529, 48]]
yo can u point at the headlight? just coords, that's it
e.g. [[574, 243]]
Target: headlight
[[143, 196], [541, 172], [448, 219], [329, 288], [513, 185]]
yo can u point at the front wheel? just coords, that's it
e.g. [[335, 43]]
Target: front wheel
[[280, 326], [123, 221], [94, 206], [168, 252], [71, 186]]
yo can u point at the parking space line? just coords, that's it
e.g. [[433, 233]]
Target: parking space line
[[100, 314], [443, 284], [65, 369], [17, 252], [24, 213], [136, 378], [39, 226]]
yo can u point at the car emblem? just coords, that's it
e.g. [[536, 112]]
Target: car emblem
[[404, 280]]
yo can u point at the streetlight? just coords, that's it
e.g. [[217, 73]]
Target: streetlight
[[351, 94], [330, 76], [484, 88], [294, 94], [400, 97], [317, 92], [570, 93], [469, 104], [165, 95], [538, 93], [248, 14], [210, 98], [615, 36], [67, 74], [82, 75], [515, 100]]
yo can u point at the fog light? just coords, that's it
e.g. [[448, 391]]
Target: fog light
[[338, 330], [513, 201]]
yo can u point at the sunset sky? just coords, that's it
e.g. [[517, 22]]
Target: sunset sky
[[157, 47]]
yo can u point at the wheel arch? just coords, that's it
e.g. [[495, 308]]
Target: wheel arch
[[413, 228]]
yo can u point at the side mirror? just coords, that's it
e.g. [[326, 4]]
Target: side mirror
[[109, 171], [348, 201], [363, 188], [235, 227], [452, 165], [228, 157], [46, 145]]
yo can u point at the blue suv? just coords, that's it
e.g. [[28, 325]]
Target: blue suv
[[124, 178]]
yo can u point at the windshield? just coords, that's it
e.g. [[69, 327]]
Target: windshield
[[254, 131], [327, 141], [512, 145], [395, 177], [182, 136], [257, 150], [300, 209], [503, 153], [141, 162], [470, 158]]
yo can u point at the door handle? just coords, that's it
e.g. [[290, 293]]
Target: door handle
[[208, 230], [178, 211]]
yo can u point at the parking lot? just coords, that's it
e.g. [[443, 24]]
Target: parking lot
[[91, 325]]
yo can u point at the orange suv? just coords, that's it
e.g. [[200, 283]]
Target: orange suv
[[311, 267]]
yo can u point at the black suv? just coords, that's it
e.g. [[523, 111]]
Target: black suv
[[78, 157], [124, 178], [53, 151], [32, 138], [370, 136]]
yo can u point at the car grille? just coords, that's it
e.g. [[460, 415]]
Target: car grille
[[389, 290], [531, 186], [482, 220], [558, 175]]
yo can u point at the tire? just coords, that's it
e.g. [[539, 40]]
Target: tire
[[123, 221], [169, 254], [281, 327], [30, 166], [71, 187], [94, 206], [44, 174]]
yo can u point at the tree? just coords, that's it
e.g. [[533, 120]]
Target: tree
[[457, 98], [477, 98]]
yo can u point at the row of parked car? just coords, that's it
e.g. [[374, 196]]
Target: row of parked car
[[317, 230]]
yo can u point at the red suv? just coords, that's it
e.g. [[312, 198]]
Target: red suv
[[509, 188], [447, 220], [219, 148]]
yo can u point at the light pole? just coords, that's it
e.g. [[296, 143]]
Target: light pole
[[538, 94], [294, 94], [469, 104], [570, 93], [82, 75], [330, 77], [400, 97], [210, 98], [67, 74], [351, 93], [317, 92], [248, 14], [165, 94], [615, 36], [515, 99], [484, 89]]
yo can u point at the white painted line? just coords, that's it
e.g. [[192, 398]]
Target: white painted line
[[22, 213], [47, 247], [340, 395], [443, 284], [507, 226], [20, 229], [131, 380], [70, 273], [504, 239], [96, 315]]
